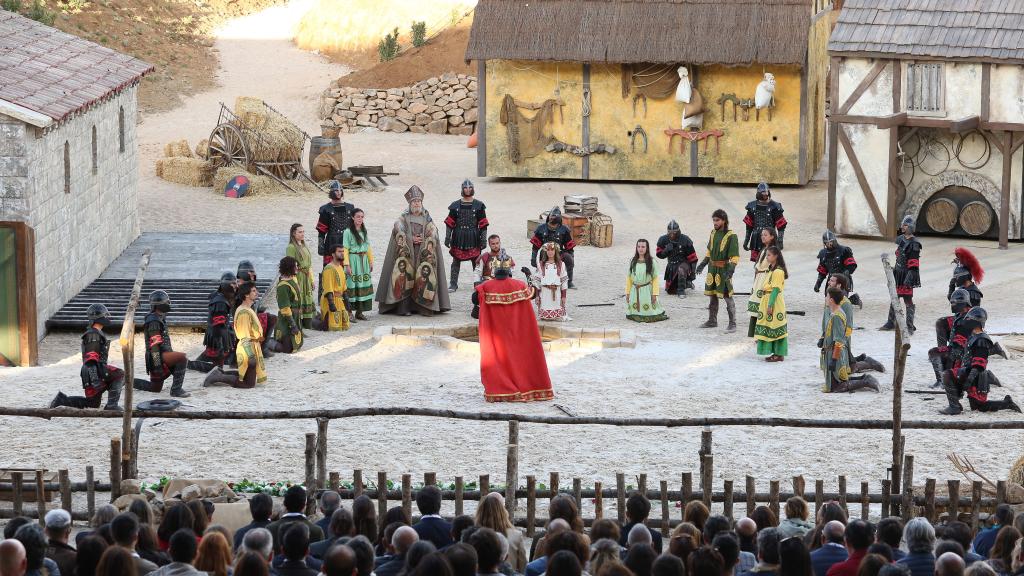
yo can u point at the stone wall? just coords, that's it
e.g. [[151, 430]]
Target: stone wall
[[82, 227], [444, 105]]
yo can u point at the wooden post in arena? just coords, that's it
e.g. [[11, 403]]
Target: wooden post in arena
[[664, 508], [460, 489], [819, 495], [554, 486], [641, 484], [115, 468], [1000, 492], [929, 500], [620, 496], [357, 483], [773, 497], [902, 346], [430, 478], [321, 452], [17, 493], [886, 497], [727, 504], [865, 501], [531, 505], [705, 449], [907, 502], [975, 505], [310, 479], [687, 489], [512, 469], [382, 494], [129, 444], [598, 501], [751, 496], [335, 481], [485, 487], [799, 487], [407, 495], [40, 497], [577, 492], [65, 490], [842, 495], [953, 488], [90, 491], [709, 467]]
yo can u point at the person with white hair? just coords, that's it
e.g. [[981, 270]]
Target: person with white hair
[[402, 540], [258, 541], [949, 564], [58, 528], [919, 537], [639, 534]]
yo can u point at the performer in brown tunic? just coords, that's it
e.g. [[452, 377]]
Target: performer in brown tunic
[[409, 277]]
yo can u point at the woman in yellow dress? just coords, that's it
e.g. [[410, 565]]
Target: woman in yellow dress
[[771, 331], [249, 334], [768, 236], [297, 249]]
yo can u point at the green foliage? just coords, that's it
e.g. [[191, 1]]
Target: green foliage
[[11, 5], [419, 33], [72, 5], [40, 13], [454, 16], [387, 48], [246, 486], [157, 486]]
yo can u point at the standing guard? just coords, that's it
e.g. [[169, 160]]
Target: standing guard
[[97, 376], [835, 258], [332, 222], [161, 360], [677, 248], [762, 212], [554, 231], [906, 272], [465, 231], [218, 339]]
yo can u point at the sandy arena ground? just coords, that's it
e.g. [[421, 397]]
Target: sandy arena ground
[[676, 370]]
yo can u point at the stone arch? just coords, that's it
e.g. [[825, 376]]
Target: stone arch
[[925, 190]]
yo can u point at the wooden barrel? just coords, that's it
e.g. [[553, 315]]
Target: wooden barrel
[[941, 214], [976, 218], [318, 144]]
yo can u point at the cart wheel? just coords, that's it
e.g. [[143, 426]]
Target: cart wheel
[[228, 147]]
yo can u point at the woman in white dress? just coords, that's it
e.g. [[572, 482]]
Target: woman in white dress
[[552, 283]]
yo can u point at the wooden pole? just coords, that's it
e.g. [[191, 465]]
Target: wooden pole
[[129, 466], [706, 480], [865, 501], [335, 481], [40, 497], [531, 505], [407, 494], [554, 485], [842, 495], [460, 488], [598, 501], [577, 493], [773, 497], [430, 478], [115, 468], [641, 484], [975, 505], [65, 490], [321, 452], [512, 469], [1004, 192], [799, 486], [310, 479], [819, 495], [886, 497], [357, 483], [751, 495], [90, 490], [953, 489], [908, 488], [382, 495], [1000, 492], [17, 493], [929, 500], [728, 504], [485, 486], [687, 493], [902, 347], [705, 449], [620, 496], [664, 508]]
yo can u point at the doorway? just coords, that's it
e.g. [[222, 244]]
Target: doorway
[[18, 342]]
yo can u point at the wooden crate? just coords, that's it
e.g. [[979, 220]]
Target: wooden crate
[[601, 231], [579, 227], [28, 483]]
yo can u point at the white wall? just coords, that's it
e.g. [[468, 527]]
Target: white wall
[[1007, 89]]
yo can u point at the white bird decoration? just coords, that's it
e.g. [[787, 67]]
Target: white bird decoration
[[764, 97], [683, 90], [693, 103]]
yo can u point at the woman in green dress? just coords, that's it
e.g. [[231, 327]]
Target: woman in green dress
[[642, 287], [768, 236], [771, 331], [297, 249], [288, 331], [358, 266]]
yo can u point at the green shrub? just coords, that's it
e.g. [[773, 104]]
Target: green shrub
[[387, 48], [39, 13], [419, 33], [11, 5]]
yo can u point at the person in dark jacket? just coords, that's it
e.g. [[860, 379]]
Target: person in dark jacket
[[294, 540], [261, 507], [920, 539], [986, 538], [960, 533], [58, 528], [638, 507], [832, 550], [401, 542], [294, 503], [340, 527], [329, 502], [890, 531], [431, 526]]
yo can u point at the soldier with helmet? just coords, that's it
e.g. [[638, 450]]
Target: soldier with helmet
[[162, 361], [677, 248], [333, 220], [763, 212], [966, 274], [907, 273], [554, 231], [218, 339], [465, 231], [970, 374], [835, 258], [97, 376]]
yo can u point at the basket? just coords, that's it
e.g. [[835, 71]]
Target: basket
[[601, 230]]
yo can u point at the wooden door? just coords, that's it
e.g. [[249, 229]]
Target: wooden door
[[18, 342], [10, 347]]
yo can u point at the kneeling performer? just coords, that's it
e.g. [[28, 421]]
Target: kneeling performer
[[971, 373], [97, 376], [835, 359], [161, 360], [249, 333]]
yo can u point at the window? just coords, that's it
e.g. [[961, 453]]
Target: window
[[67, 167], [926, 88], [95, 161], [120, 129]]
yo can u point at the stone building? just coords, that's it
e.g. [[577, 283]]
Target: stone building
[[68, 172], [927, 118]]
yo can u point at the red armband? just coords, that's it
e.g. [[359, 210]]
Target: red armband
[[449, 222], [483, 223], [91, 357], [849, 261], [569, 245], [913, 263], [781, 223], [692, 257], [321, 227], [219, 320], [978, 362], [822, 270], [536, 241], [748, 220], [156, 340]]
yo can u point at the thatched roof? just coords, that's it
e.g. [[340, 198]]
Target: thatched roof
[[979, 30], [730, 32]]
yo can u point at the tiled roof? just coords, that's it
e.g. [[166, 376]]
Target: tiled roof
[[57, 74], [980, 30]]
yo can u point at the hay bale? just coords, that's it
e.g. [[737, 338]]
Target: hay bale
[[279, 140], [261, 185], [187, 171], [203, 149], [1017, 472], [176, 149]]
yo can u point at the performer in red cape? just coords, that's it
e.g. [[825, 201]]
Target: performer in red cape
[[512, 364]]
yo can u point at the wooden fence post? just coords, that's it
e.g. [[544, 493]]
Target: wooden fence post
[[1000, 492], [664, 508], [641, 484], [886, 498], [407, 495], [975, 505], [310, 479], [357, 483], [577, 492], [531, 505], [129, 442], [908, 487], [321, 452], [819, 495], [842, 495], [773, 497], [687, 489], [865, 501], [751, 494], [65, 490], [430, 478], [334, 483], [115, 468], [705, 449], [598, 501], [512, 469], [727, 504], [799, 487], [460, 489], [901, 346], [929, 500], [554, 486], [485, 487], [40, 497], [17, 493], [706, 480], [90, 490], [620, 496], [382, 495]]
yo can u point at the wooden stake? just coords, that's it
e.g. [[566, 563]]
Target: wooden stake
[[842, 495], [975, 505], [1000, 492], [727, 506], [310, 480], [115, 468], [773, 497], [90, 491], [664, 508], [886, 497], [798, 487], [382, 495], [620, 496], [407, 495], [334, 482], [321, 452], [598, 501], [357, 483], [460, 489], [705, 449], [687, 493], [531, 505], [865, 501], [129, 464], [430, 478], [554, 486], [65, 490], [641, 485], [953, 488], [751, 494], [485, 486], [577, 493], [709, 467], [819, 495], [908, 487], [512, 469], [929, 500], [17, 493], [40, 497]]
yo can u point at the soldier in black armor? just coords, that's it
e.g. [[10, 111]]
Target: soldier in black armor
[[97, 376], [161, 360], [554, 231], [971, 375], [966, 274], [332, 222], [906, 272], [763, 212], [835, 258], [677, 248], [951, 335], [465, 231], [219, 337]]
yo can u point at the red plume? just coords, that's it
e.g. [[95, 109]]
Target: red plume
[[969, 261]]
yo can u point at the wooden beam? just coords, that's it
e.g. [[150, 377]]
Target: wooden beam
[[1004, 193], [986, 91], [833, 147], [1003, 126], [965, 124], [887, 121], [962, 124], [864, 186], [1016, 144], [897, 85], [481, 121], [894, 182], [865, 83]]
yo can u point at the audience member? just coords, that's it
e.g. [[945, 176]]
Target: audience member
[[944, 546], [401, 541], [718, 524], [832, 548], [148, 547], [883, 550], [894, 569], [794, 557], [329, 502], [183, 546], [669, 565], [764, 518], [294, 539], [13, 560], [949, 564], [638, 508], [1001, 554], [986, 538], [364, 519], [746, 530], [459, 524], [729, 547], [214, 555], [491, 513], [462, 558], [116, 561], [684, 540], [795, 523], [90, 550], [258, 541], [261, 506], [615, 570], [294, 504], [176, 518], [890, 531], [125, 530], [431, 526], [603, 551], [488, 550], [433, 564], [858, 537], [920, 539], [58, 529], [142, 510], [250, 564], [32, 538], [200, 517], [960, 532], [828, 512], [640, 558], [871, 564], [389, 548], [392, 516], [605, 528], [563, 563], [539, 564], [638, 534], [418, 551], [767, 553], [340, 526], [103, 515], [705, 561], [979, 569], [696, 513], [363, 550]]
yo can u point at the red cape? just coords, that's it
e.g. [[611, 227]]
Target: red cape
[[512, 364]]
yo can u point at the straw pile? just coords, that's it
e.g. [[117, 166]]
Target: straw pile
[[203, 148], [176, 149], [259, 184], [182, 170], [279, 139]]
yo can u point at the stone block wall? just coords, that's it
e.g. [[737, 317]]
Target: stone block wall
[[82, 227], [441, 105]]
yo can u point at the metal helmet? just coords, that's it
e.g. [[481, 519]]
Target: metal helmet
[[334, 190], [673, 226], [961, 275], [98, 313], [959, 300], [764, 192], [227, 280], [909, 223], [467, 183], [160, 301], [975, 317], [245, 267], [828, 237], [555, 216]]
